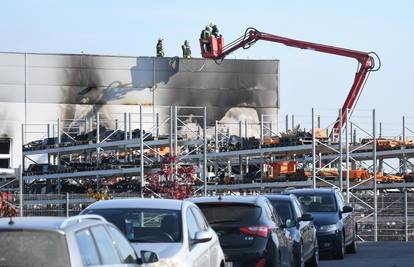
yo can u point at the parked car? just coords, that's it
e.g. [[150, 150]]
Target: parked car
[[62, 242], [250, 232], [300, 226], [335, 222], [176, 230]]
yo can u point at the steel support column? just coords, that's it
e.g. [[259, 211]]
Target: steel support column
[[313, 149], [374, 180], [141, 148], [205, 151]]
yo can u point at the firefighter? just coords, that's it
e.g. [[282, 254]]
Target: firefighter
[[160, 49], [205, 39], [186, 49], [214, 30]]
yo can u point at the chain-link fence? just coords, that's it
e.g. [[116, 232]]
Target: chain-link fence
[[395, 216]]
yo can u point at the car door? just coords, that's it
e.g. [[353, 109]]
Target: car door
[[106, 247], [347, 218], [198, 252], [213, 244], [125, 250], [283, 235], [304, 228]]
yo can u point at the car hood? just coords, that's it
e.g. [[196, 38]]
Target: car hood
[[325, 218], [164, 250]]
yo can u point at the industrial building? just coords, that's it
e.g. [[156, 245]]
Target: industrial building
[[45, 88]]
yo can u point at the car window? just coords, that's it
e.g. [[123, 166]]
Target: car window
[[318, 202], [28, 248], [297, 208], [230, 213], [126, 251], [283, 209], [192, 225], [272, 213], [105, 246], [87, 248], [144, 225], [340, 200], [200, 218]]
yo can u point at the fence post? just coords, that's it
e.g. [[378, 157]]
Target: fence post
[[67, 204], [21, 185], [406, 214]]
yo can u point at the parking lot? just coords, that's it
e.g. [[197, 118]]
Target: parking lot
[[382, 254]]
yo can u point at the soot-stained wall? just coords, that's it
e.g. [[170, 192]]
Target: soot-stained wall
[[39, 88]]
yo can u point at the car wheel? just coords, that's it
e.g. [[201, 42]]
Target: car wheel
[[314, 261], [340, 247], [351, 248]]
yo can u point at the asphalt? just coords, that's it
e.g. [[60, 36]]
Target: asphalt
[[381, 254]]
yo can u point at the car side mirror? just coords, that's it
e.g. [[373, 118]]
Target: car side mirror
[[347, 209], [289, 223], [148, 256], [306, 217], [202, 236]]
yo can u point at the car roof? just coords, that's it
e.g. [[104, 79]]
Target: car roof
[[280, 197], [227, 199], [44, 223], [32, 223], [311, 191], [152, 203]]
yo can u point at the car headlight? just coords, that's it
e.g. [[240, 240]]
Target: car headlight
[[327, 228]]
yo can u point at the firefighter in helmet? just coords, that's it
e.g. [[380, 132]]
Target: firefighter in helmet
[[186, 49], [205, 39], [160, 48]]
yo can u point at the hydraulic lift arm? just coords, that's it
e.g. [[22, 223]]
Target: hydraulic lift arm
[[251, 36]]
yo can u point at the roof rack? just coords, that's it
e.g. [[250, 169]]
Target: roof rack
[[80, 218]]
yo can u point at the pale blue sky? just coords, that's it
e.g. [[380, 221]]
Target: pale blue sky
[[308, 79]]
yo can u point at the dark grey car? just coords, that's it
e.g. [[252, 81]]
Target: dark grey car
[[301, 227]]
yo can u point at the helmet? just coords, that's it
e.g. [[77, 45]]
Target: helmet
[[160, 39], [186, 42], [211, 24]]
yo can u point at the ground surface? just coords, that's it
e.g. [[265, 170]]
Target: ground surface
[[382, 254]]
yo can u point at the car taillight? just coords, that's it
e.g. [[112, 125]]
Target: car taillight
[[261, 231], [261, 262]]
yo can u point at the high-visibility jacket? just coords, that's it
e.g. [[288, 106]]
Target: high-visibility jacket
[[206, 35]]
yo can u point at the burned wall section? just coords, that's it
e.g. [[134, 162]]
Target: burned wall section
[[39, 88]]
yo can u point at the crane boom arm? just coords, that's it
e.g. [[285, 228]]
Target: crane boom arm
[[365, 59]]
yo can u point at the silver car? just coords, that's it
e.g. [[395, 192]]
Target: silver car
[[176, 230], [61, 242]]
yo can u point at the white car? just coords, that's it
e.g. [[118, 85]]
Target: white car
[[176, 230], [66, 242]]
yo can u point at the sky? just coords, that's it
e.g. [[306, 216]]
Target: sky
[[307, 78]]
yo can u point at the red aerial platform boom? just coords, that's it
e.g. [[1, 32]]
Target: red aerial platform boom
[[367, 64]]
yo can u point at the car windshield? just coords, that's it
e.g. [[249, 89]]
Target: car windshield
[[318, 203], [283, 209], [230, 213], [28, 248], [144, 225]]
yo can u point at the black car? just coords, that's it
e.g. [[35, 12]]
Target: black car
[[301, 228], [250, 231], [335, 222]]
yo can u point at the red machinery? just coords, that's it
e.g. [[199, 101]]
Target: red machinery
[[365, 60]]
